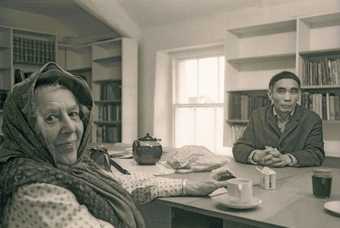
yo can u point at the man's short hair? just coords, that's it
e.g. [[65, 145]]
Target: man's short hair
[[284, 75]]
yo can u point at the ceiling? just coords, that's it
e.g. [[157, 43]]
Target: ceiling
[[67, 12], [160, 12], [142, 12]]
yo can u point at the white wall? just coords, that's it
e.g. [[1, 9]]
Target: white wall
[[204, 31]]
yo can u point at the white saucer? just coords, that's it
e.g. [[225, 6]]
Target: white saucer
[[333, 206], [227, 201]]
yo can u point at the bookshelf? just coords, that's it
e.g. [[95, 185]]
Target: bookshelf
[[77, 60], [5, 59], [21, 53], [114, 86], [255, 53]]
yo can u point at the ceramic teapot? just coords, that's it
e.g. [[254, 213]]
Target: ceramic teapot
[[147, 150]]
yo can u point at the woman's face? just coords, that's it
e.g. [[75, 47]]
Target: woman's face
[[59, 122]]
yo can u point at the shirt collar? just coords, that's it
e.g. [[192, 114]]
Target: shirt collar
[[277, 115]]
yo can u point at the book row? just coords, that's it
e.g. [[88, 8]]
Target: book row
[[323, 70], [109, 112], [108, 134], [110, 91], [327, 105], [242, 105], [32, 51]]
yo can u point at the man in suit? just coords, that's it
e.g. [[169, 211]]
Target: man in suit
[[284, 133]]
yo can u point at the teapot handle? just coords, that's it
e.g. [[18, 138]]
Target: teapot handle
[[135, 144]]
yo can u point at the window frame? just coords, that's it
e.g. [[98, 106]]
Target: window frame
[[216, 50]]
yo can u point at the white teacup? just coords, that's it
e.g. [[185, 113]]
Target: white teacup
[[240, 190]]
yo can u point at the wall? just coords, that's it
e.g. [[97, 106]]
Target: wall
[[34, 22], [112, 14], [204, 31]]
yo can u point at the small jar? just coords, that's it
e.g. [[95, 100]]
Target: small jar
[[322, 182]]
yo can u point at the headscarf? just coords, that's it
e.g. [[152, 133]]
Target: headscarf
[[25, 158]]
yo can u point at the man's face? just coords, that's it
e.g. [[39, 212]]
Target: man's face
[[284, 95]]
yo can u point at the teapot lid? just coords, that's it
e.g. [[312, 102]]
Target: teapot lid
[[147, 138]]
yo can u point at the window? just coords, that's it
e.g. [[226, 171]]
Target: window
[[198, 102]]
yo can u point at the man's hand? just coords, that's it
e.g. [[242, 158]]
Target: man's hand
[[271, 157], [284, 161], [264, 157]]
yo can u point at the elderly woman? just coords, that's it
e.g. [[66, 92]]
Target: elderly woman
[[47, 176]]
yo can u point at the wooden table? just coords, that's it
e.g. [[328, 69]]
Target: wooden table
[[292, 204]]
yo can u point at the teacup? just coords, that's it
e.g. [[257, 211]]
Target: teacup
[[240, 190]]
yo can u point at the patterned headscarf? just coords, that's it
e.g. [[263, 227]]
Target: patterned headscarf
[[25, 158]]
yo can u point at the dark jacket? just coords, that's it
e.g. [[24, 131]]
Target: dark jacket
[[302, 136]]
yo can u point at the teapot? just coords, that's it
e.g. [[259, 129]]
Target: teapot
[[147, 150]]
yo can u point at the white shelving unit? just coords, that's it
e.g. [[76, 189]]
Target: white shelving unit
[[255, 53], [5, 58], [77, 60], [25, 50], [114, 68]]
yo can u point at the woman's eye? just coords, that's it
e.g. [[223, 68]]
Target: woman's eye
[[74, 115], [51, 118]]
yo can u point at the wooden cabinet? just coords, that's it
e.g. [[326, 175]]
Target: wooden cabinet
[[308, 46]]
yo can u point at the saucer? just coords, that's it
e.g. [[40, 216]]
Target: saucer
[[227, 201], [333, 206]]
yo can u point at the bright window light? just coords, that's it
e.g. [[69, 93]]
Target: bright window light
[[198, 102]]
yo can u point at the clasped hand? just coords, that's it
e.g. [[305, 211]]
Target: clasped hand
[[271, 157]]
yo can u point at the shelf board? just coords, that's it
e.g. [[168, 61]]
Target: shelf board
[[115, 101], [80, 69], [331, 121], [317, 21], [237, 121], [320, 52], [252, 91], [199, 105], [264, 58], [4, 68], [109, 59], [3, 47], [107, 81], [306, 87], [265, 29], [110, 123]]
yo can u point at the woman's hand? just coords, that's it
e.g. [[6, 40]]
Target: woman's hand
[[217, 179]]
